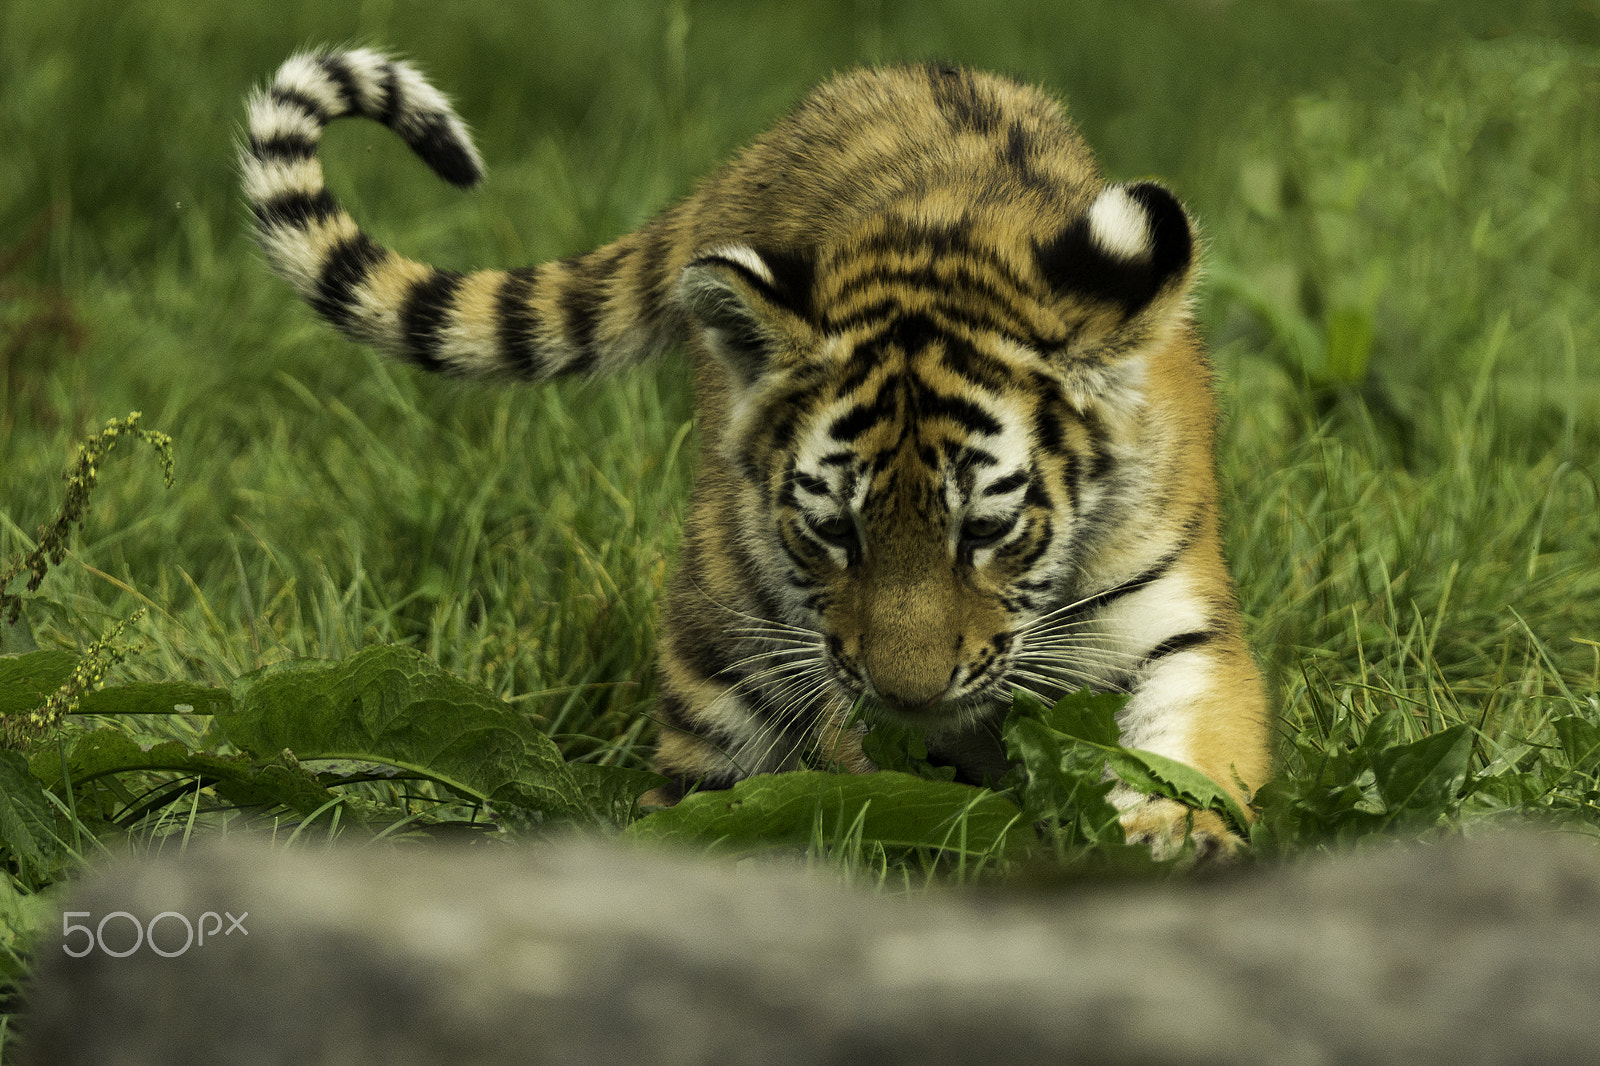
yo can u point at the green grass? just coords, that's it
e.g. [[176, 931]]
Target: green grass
[[1400, 204]]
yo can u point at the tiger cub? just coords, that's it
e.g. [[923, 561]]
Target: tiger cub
[[958, 426]]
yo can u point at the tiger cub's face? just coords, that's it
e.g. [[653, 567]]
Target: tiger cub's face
[[925, 428], [919, 519]]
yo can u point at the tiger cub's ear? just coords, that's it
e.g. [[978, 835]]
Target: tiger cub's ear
[[1126, 262], [754, 305]]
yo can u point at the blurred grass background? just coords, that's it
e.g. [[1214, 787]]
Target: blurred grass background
[[1401, 205]]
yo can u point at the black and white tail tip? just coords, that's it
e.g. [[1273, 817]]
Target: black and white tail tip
[[286, 117]]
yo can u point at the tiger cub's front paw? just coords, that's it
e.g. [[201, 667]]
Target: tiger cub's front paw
[[1163, 825]]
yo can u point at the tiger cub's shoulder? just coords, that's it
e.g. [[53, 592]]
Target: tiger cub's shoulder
[[936, 103], [930, 140]]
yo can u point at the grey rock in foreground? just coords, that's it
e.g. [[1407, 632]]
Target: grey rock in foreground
[[1482, 951]]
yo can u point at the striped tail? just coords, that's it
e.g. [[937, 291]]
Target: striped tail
[[589, 314]]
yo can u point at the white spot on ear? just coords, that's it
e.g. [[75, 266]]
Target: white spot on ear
[[743, 256], [1119, 225]]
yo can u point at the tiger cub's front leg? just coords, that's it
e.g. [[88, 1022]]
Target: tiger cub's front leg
[[1200, 704]]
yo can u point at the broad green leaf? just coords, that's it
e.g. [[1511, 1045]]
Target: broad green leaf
[[1086, 715], [889, 808], [1048, 777], [393, 705], [1090, 719], [27, 821], [154, 698], [1422, 777], [895, 746], [1036, 747], [611, 791], [1063, 784], [26, 680], [1159, 775], [104, 753], [1297, 811], [1580, 740], [281, 782], [1331, 797], [1380, 733], [23, 917]]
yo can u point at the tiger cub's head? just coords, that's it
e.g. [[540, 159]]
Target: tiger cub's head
[[928, 420]]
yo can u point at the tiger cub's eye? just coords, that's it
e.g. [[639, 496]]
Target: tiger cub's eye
[[837, 530], [977, 532]]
